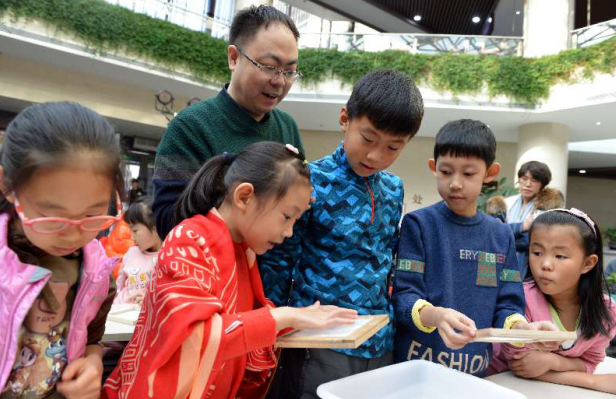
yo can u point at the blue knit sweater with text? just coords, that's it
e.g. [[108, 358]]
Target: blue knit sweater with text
[[464, 263]]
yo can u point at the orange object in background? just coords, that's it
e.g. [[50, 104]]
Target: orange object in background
[[117, 243]]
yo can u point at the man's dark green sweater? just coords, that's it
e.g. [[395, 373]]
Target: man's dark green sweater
[[202, 131]]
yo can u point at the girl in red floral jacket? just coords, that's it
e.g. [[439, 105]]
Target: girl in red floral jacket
[[206, 329]]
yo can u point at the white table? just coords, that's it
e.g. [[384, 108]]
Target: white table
[[544, 390], [121, 331]]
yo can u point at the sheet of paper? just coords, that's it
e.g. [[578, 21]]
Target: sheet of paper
[[334, 332], [125, 313]]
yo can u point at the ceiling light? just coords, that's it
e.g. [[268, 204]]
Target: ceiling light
[[517, 12], [598, 123], [417, 18], [490, 20], [476, 20], [582, 171]]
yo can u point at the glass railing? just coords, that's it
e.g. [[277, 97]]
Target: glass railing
[[193, 19], [415, 43], [593, 34]]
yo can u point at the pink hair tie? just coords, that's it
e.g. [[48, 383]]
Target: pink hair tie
[[293, 149]]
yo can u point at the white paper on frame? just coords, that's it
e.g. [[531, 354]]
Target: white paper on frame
[[333, 332]]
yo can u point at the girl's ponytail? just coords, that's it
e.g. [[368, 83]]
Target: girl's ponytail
[[205, 191], [270, 167]]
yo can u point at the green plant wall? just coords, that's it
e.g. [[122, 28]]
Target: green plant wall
[[106, 27]]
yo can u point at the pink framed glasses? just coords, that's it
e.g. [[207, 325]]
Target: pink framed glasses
[[54, 225]]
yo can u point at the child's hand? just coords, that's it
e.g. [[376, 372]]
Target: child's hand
[[82, 378], [531, 363], [312, 317], [139, 298], [447, 321], [539, 326], [528, 221]]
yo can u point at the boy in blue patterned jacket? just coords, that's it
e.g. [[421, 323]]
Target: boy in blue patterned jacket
[[457, 268], [342, 249]]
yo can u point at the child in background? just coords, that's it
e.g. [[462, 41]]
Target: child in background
[[343, 248], [139, 261], [206, 329], [566, 260], [457, 269], [59, 166]]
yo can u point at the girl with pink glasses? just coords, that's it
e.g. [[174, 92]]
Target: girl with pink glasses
[[59, 167]]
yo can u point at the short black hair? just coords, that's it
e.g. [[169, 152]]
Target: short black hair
[[140, 211], [249, 20], [134, 180], [538, 171], [466, 138], [390, 101]]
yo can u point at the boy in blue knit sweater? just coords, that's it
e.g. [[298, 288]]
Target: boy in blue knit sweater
[[457, 270], [343, 249]]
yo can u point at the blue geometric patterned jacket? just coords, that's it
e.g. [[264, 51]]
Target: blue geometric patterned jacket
[[343, 248]]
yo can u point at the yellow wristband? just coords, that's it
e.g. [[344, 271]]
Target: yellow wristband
[[420, 304], [509, 322]]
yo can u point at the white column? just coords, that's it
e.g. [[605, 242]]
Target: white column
[[547, 143], [547, 26]]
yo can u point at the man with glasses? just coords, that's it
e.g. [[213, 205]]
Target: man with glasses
[[262, 57]]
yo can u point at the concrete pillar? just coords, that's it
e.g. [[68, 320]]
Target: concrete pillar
[[547, 143], [547, 26]]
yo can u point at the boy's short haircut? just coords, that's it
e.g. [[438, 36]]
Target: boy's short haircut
[[134, 180], [538, 171], [390, 101], [248, 21], [466, 138]]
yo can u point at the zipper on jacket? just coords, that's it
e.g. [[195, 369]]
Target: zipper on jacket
[[372, 198], [83, 283]]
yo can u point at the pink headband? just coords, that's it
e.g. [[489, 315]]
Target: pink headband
[[580, 214]]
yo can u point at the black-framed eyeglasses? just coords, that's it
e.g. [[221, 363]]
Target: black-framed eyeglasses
[[273, 72]]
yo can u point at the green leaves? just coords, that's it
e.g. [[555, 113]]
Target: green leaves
[[107, 27], [492, 190]]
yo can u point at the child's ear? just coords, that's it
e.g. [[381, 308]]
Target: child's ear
[[243, 195], [492, 172], [432, 166], [5, 190], [589, 263], [343, 119]]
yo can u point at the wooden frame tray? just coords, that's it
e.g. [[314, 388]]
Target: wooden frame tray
[[497, 335], [339, 337]]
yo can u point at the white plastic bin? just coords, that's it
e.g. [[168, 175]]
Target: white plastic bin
[[416, 379]]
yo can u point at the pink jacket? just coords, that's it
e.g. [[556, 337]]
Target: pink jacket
[[21, 283], [590, 351]]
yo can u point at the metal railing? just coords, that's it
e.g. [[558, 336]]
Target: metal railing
[[190, 19], [593, 34], [415, 43]]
